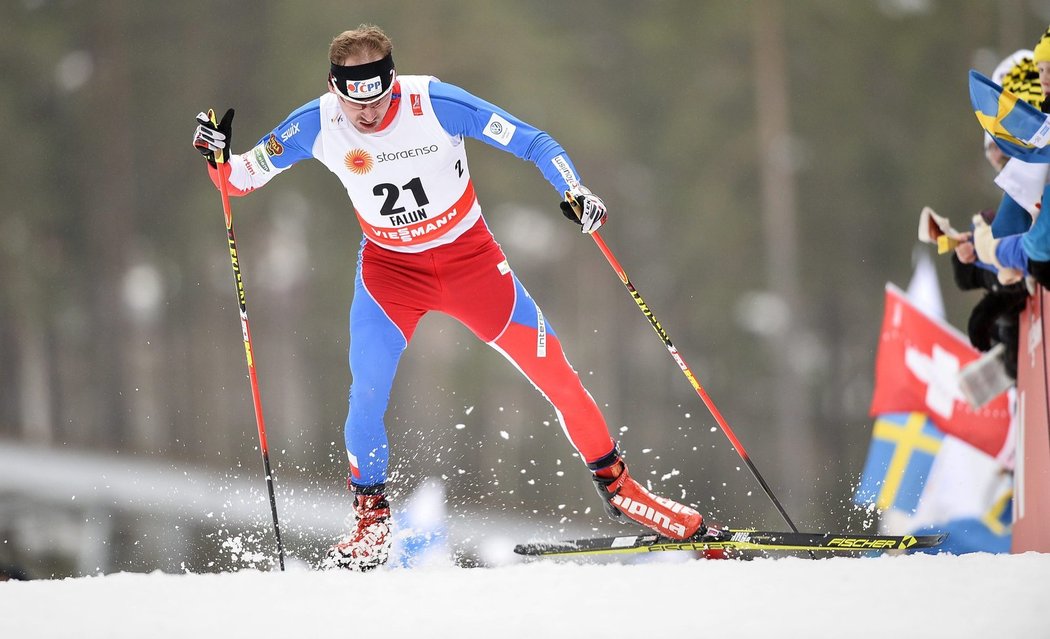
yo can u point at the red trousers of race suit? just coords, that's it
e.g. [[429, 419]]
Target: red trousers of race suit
[[469, 280]]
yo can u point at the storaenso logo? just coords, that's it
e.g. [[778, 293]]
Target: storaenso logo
[[405, 154]]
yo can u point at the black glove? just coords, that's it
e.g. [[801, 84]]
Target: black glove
[[567, 211], [584, 208], [210, 139]]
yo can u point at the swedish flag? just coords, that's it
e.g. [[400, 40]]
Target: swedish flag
[[901, 453], [1018, 128]]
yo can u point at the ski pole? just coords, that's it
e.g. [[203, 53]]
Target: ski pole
[[220, 158], [690, 376]]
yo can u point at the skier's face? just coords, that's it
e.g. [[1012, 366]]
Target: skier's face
[[366, 118]]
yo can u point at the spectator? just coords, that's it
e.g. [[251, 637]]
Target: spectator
[[994, 319], [1014, 240]]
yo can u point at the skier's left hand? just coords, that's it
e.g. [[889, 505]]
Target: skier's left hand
[[584, 208]]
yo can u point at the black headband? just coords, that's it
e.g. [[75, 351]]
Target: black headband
[[364, 83]]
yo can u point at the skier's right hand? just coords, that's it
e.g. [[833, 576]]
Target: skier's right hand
[[210, 139]]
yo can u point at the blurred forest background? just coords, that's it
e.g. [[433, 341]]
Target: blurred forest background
[[764, 163]]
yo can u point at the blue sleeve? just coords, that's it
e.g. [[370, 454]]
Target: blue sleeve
[[1036, 241], [463, 114], [1010, 219], [293, 140], [1011, 253]]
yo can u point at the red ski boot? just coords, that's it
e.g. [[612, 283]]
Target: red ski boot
[[715, 532], [624, 496], [368, 544]]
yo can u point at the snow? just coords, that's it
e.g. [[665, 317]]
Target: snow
[[927, 596]]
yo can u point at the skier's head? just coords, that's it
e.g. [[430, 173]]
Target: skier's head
[[362, 75]]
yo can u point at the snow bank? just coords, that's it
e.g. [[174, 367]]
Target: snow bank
[[905, 596]]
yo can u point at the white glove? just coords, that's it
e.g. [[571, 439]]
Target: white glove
[[986, 246], [586, 208]]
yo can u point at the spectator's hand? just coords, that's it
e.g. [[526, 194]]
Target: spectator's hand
[[210, 139], [965, 250], [986, 245], [584, 208]]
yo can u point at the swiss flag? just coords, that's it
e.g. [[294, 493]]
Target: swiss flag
[[917, 371]]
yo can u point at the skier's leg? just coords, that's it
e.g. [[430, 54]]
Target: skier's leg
[[391, 294], [482, 292], [376, 345], [532, 346]]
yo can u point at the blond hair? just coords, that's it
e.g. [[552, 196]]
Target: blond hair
[[367, 40]]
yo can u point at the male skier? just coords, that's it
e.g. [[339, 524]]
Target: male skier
[[396, 142]]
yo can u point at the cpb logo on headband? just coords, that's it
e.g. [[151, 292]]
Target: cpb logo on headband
[[364, 82], [364, 89]]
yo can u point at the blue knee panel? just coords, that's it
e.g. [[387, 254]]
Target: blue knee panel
[[525, 310]]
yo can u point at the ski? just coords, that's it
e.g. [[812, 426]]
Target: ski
[[730, 539]]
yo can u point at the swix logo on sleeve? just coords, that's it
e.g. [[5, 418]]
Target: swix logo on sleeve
[[417, 104], [500, 129], [290, 131]]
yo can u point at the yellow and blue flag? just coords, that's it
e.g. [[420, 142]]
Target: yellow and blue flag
[[1019, 129], [901, 453], [990, 533]]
